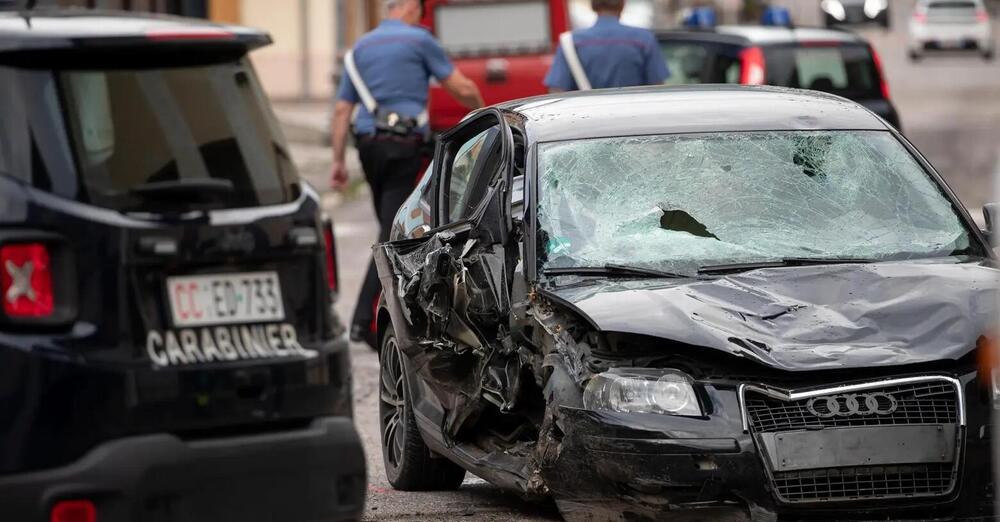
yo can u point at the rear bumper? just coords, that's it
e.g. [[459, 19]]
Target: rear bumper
[[316, 473], [929, 36], [57, 405], [858, 16]]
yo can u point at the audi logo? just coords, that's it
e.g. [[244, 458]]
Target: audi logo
[[854, 404]]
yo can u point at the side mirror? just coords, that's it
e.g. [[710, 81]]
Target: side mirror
[[990, 217]]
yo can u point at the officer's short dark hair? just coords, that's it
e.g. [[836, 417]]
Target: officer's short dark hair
[[606, 5], [389, 4]]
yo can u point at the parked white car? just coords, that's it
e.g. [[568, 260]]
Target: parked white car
[[951, 25]]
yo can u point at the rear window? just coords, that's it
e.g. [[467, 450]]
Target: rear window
[[845, 70], [175, 138], [700, 62], [507, 27]]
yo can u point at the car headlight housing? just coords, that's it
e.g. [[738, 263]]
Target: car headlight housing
[[638, 390], [835, 9], [874, 7]]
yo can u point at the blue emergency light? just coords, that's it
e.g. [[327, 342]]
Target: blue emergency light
[[700, 17], [776, 16]]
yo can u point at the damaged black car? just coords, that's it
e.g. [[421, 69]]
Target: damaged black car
[[711, 303]]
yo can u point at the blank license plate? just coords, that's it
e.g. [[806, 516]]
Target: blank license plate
[[860, 446], [247, 297]]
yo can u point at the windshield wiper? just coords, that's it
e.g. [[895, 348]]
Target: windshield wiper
[[613, 270], [787, 261], [184, 187]]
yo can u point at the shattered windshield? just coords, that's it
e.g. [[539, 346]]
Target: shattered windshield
[[681, 202]]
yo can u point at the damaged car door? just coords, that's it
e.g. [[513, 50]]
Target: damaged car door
[[448, 292]]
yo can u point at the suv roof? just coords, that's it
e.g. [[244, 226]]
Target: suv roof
[[764, 35], [56, 29], [687, 109]]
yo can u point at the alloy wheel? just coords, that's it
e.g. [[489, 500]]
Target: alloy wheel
[[391, 404]]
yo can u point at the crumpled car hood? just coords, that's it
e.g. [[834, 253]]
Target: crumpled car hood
[[806, 318]]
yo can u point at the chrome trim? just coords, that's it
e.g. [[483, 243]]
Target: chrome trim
[[790, 395]]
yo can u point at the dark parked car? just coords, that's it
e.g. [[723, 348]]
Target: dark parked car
[[710, 302], [855, 12], [833, 61], [167, 347]]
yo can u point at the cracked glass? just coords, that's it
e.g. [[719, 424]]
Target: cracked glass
[[680, 202]]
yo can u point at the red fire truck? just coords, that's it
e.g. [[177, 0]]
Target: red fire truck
[[505, 46]]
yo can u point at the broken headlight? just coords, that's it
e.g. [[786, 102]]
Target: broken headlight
[[635, 390]]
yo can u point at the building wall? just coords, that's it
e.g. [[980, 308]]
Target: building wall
[[301, 61], [279, 63]]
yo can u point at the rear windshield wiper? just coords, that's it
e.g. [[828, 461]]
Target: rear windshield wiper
[[184, 187], [787, 261], [613, 270]]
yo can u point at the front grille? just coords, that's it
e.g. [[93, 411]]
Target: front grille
[[918, 403], [855, 14], [868, 483]]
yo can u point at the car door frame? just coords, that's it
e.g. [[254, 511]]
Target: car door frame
[[494, 208], [470, 127]]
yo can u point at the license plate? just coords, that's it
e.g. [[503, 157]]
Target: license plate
[[881, 445], [247, 297], [950, 44]]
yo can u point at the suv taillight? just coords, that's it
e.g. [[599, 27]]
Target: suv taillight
[[74, 511], [881, 74], [920, 18], [982, 16], [752, 61], [26, 280], [331, 256]]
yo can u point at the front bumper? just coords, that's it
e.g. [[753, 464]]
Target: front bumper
[[856, 15], [316, 473], [647, 466]]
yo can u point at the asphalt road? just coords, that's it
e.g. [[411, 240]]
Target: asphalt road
[[950, 108]]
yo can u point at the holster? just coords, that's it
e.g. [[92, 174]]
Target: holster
[[390, 122]]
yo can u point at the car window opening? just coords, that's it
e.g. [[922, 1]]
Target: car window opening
[[845, 70]]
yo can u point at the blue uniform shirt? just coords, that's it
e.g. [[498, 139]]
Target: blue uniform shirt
[[612, 55], [396, 61]]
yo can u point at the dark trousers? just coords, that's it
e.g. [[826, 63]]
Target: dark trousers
[[391, 168]]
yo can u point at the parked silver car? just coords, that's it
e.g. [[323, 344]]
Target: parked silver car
[[951, 25]]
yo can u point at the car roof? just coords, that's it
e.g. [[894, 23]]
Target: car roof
[[50, 29], [685, 109], [769, 35]]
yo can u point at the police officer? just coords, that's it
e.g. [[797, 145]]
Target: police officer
[[609, 54], [394, 63]]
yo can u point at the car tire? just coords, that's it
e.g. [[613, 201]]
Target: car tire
[[914, 56], [988, 56], [409, 464]]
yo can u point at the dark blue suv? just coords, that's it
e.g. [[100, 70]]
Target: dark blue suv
[[168, 350]]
